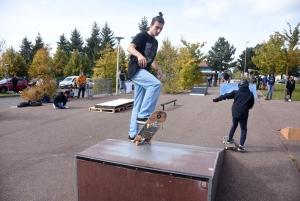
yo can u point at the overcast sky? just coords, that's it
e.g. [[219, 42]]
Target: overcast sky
[[195, 20]]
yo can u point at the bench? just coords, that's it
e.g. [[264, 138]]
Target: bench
[[163, 104]]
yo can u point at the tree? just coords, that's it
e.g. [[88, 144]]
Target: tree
[[86, 65], [290, 51], [107, 36], [16, 64], [59, 62], [74, 66], [38, 44], [76, 42], [93, 44], [41, 64], [41, 69], [64, 44], [106, 65], [249, 64], [144, 26], [26, 50], [166, 57], [220, 56]]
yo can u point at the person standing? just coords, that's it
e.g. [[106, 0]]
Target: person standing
[[80, 82], [122, 80], [208, 78], [220, 76], [215, 78], [264, 82], [15, 83], [147, 87], [271, 86], [226, 77], [290, 87], [259, 80], [243, 102]]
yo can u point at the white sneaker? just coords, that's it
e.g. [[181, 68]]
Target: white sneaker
[[66, 107], [290, 100], [54, 106]]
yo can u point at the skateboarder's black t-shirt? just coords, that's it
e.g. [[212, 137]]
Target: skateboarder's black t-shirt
[[147, 46]]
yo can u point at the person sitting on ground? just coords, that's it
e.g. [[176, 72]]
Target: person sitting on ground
[[60, 100], [243, 102]]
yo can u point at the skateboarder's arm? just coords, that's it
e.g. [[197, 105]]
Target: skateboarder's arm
[[158, 68], [225, 96], [141, 59]]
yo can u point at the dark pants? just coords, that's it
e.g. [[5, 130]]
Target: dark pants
[[289, 92], [79, 90], [243, 125], [15, 88]]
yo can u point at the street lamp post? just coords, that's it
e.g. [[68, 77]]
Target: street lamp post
[[117, 77], [245, 58], [6, 76]]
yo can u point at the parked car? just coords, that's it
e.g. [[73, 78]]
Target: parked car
[[6, 85], [68, 82], [282, 81]]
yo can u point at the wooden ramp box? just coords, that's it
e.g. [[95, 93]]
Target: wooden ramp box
[[291, 133], [120, 170]]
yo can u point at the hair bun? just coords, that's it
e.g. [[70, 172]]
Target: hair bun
[[160, 14]]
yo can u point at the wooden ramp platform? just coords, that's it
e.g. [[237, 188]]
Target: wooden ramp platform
[[113, 106]]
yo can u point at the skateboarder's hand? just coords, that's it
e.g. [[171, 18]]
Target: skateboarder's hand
[[142, 61], [216, 100]]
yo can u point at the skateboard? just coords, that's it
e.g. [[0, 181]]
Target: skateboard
[[150, 127], [227, 144]]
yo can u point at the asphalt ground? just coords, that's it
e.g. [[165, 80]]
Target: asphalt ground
[[38, 145]]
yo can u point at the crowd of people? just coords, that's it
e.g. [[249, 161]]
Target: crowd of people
[[217, 76]]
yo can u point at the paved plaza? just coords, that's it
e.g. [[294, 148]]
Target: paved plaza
[[38, 145]]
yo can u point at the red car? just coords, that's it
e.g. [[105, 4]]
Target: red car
[[4, 86]]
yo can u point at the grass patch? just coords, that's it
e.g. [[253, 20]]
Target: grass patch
[[7, 95], [278, 92]]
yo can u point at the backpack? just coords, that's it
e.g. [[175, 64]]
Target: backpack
[[33, 103], [23, 104]]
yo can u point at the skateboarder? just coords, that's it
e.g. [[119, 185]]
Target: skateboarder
[[147, 87], [243, 102]]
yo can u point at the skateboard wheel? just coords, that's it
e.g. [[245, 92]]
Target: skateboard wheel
[[149, 142], [226, 148], [137, 143]]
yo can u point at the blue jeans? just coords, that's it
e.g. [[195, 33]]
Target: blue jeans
[[60, 105], [122, 83], [270, 90], [146, 92], [243, 125]]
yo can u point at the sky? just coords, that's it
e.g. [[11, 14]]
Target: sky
[[200, 21]]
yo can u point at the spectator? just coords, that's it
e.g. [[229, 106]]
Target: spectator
[[271, 86], [15, 84], [122, 78], [290, 86], [80, 82], [226, 77]]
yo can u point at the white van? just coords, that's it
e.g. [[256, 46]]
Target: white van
[[68, 82]]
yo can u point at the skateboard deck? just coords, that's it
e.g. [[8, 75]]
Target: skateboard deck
[[227, 144], [150, 127]]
